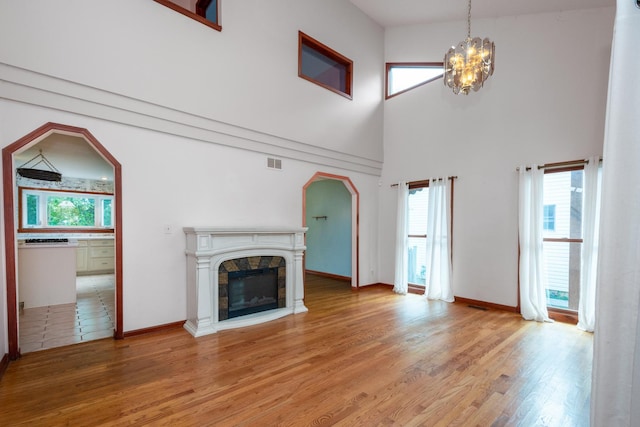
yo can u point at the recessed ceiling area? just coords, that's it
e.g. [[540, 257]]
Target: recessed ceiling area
[[73, 156], [390, 13]]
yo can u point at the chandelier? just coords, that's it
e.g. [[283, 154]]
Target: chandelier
[[470, 63]]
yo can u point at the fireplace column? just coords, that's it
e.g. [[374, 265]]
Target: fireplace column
[[298, 304]]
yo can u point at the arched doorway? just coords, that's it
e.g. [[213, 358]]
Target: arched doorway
[[355, 209], [8, 178]]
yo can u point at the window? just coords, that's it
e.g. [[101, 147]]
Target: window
[[323, 66], [562, 236], [549, 218], [418, 203], [208, 9], [206, 12], [48, 210], [404, 76]]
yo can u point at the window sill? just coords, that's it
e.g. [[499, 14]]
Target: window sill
[[565, 316], [65, 230]]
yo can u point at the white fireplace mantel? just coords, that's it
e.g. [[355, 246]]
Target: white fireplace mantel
[[208, 247]]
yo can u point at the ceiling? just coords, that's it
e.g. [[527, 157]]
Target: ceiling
[[389, 13], [71, 155]]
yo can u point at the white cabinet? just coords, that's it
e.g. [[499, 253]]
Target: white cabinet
[[45, 275], [81, 256], [99, 256]]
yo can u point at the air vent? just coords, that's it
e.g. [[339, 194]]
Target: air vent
[[273, 163]]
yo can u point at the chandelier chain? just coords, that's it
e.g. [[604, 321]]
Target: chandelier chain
[[469, 21]]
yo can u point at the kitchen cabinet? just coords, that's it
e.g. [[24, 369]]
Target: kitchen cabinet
[[81, 256], [95, 256], [46, 274]]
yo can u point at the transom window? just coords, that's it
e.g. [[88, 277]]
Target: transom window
[[53, 210], [324, 66], [404, 76], [206, 12]]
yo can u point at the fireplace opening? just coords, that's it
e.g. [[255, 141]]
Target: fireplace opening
[[252, 291]]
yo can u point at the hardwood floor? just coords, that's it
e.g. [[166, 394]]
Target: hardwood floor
[[357, 358]]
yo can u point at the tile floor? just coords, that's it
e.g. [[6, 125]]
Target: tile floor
[[90, 318]]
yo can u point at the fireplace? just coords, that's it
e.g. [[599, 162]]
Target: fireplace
[[242, 277], [252, 291], [251, 285]]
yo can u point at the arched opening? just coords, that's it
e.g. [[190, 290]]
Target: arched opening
[[355, 209], [10, 225]]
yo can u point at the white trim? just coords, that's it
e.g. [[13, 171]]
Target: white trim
[[29, 87]]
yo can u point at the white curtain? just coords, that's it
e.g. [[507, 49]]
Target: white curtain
[[590, 232], [615, 387], [533, 301], [438, 284], [401, 282]]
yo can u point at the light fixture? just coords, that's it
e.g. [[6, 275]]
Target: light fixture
[[28, 169], [469, 64]]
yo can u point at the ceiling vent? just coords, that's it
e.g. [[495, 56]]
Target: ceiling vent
[[273, 163]]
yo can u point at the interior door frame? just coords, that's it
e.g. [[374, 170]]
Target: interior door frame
[[355, 218], [8, 187]]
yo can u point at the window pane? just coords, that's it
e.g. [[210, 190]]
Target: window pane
[[323, 66], [563, 190], [562, 269], [71, 211], [417, 225], [405, 77], [323, 69], [212, 11], [32, 210], [418, 204], [106, 212]]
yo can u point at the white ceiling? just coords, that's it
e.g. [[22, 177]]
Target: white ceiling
[[390, 13], [71, 155]]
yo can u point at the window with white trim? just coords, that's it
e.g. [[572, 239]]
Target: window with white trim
[[43, 209]]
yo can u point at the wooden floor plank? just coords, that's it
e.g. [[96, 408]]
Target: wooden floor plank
[[367, 357]]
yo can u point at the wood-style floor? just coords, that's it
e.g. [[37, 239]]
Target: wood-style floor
[[357, 358]]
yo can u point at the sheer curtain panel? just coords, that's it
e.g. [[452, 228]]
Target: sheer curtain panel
[[438, 241], [400, 283], [533, 301], [590, 234]]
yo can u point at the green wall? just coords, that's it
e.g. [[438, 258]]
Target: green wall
[[328, 240]]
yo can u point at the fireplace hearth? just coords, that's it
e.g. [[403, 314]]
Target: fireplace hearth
[[242, 277]]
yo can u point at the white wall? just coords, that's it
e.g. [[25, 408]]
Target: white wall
[[245, 75], [544, 103], [192, 114]]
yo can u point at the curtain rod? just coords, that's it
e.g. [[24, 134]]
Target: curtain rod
[[560, 164], [425, 181]]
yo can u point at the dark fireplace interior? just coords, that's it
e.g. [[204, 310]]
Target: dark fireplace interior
[[252, 291], [251, 285]]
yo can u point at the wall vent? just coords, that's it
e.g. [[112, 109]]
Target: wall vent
[[273, 163]]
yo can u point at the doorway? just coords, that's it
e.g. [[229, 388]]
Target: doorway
[[11, 226], [355, 206]]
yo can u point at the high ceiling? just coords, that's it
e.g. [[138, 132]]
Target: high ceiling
[[390, 13]]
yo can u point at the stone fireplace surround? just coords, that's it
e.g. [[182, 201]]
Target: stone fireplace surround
[[208, 247]]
